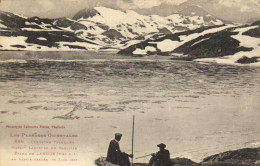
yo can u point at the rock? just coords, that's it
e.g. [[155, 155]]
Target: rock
[[246, 60], [102, 162], [241, 157], [86, 13], [183, 162], [113, 34]]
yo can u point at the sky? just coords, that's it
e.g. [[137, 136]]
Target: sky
[[232, 10]]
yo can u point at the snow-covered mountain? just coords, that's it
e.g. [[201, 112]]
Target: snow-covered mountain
[[191, 34], [129, 24], [21, 33], [232, 44], [95, 28]]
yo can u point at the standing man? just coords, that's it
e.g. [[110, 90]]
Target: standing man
[[161, 158], [114, 154]]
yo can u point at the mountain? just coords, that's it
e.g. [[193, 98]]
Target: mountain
[[98, 28], [131, 24], [189, 34], [236, 44], [21, 33]]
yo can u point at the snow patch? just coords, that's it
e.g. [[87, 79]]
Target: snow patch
[[13, 61], [36, 30], [199, 41], [245, 41], [139, 51], [2, 26], [168, 45], [6, 42], [42, 38], [150, 48]]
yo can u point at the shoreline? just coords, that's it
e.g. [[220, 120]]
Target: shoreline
[[81, 56], [239, 157]]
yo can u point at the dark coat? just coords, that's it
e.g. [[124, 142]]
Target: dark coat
[[163, 157], [114, 152]]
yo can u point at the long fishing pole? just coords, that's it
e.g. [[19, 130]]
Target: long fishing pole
[[144, 156], [133, 131]]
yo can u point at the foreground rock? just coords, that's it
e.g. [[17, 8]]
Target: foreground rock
[[241, 157], [176, 162]]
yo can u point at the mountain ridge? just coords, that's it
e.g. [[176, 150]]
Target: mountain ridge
[[197, 36], [100, 26]]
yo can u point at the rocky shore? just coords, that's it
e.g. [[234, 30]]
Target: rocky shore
[[241, 157]]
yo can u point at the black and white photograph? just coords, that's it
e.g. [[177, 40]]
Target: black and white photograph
[[130, 82]]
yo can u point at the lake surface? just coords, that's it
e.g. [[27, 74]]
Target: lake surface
[[196, 109]]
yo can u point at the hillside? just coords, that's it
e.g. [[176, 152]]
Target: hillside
[[189, 34], [131, 24], [224, 44], [22, 33], [92, 29]]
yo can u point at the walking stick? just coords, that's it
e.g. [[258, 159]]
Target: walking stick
[[133, 130]]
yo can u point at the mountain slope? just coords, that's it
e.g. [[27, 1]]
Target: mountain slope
[[131, 24], [236, 44], [22, 33], [95, 28]]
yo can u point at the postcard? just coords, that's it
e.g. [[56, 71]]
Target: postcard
[[129, 82]]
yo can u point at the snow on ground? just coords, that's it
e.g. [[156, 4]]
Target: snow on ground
[[139, 51], [199, 41], [217, 22], [20, 15], [92, 28], [129, 23], [246, 41], [34, 29], [41, 38], [81, 44], [168, 45], [108, 16], [7, 43], [197, 19], [42, 26], [185, 38], [176, 17], [66, 29], [13, 61], [2, 26]]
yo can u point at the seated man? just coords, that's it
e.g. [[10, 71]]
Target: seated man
[[161, 158], [114, 154]]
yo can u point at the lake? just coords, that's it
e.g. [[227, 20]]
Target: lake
[[196, 109]]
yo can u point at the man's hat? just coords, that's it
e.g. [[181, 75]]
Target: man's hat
[[162, 145], [118, 134]]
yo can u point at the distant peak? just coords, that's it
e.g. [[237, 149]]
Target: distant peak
[[192, 9], [86, 13]]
